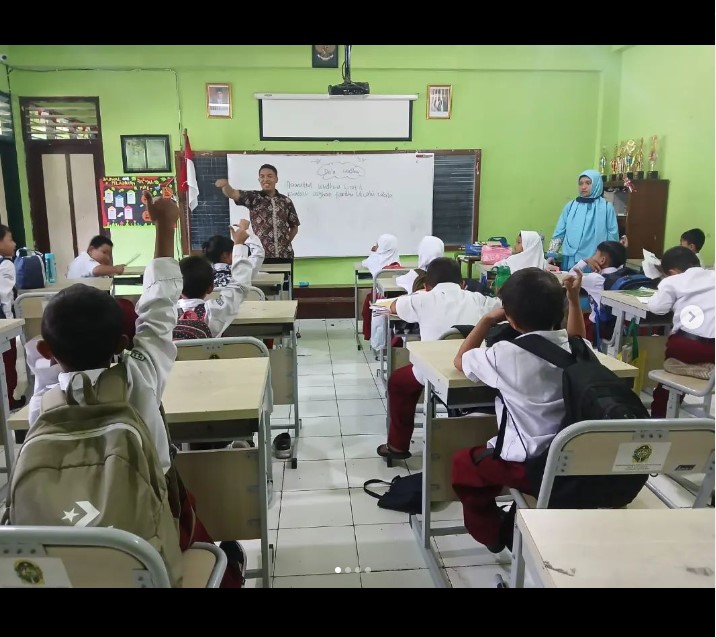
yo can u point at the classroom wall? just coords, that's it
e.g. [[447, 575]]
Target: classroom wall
[[539, 113], [668, 91], [4, 85]]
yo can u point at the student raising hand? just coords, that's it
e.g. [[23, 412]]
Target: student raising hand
[[573, 284], [575, 321], [239, 234], [161, 209]]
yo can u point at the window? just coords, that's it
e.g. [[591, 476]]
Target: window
[[6, 132], [61, 120]]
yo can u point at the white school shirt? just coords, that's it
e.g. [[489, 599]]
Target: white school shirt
[[436, 311], [222, 311], [256, 256], [148, 365], [593, 284], [82, 266], [531, 387], [693, 287], [7, 285]]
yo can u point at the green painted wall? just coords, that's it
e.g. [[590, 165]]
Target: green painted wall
[[668, 91], [539, 113]]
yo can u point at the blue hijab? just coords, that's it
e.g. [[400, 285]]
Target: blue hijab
[[585, 222]]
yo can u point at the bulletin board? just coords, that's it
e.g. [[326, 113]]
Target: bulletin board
[[121, 198]]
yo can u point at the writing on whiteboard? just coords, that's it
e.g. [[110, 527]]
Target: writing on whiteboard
[[329, 190]]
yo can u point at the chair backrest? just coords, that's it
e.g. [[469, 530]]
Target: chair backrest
[[618, 447], [202, 349], [387, 274], [451, 334], [30, 306], [80, 557], [255, 294]]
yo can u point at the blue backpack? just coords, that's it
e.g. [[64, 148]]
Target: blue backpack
[[29, 270]]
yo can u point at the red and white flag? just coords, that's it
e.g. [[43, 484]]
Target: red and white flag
[[187, 180]]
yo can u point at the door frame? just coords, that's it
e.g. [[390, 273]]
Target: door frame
[[36, 148]]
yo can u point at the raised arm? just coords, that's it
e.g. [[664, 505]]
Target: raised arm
[[479, 332], [575, 320], [228, 191]]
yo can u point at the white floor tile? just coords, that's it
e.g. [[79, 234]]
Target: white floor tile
[[362, 391], [362, 446], [320, 448], [317, 408], [253, 550], [274, 511], [348, 380], [462, 550], [366, 509], [322, 426], [316, 393], [326, 507], [281, 412], [358, 370], [361, 407], [360, 425], [312, 370], [278, 469], [397, 579], [315, 380], [344, 580], [387, 547], [362, 469], [316, 474], [315, 551], [478, 576]]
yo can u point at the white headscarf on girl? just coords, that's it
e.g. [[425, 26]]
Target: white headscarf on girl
[[385, 254], [532, 255], [430, 248]]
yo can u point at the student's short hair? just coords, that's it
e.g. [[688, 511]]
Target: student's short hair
[[99, 241], [615, 251], [198, 276], [269, 167], [82, 326], [534, 299], [679, 258], [443, 270], [3, 231], [216, 246], [695, 236]]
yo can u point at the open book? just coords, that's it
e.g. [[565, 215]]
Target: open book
[[651, 265]]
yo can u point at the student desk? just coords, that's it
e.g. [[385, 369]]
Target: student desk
[[202, 403], [270, 283], [444, 383], [628, 307], [104, 283], [280, 268], [10, 329], [275, 319], [362, 274], [469, 260], [618, 548]]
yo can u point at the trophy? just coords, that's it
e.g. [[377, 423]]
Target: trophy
[[614, 164], [603, 164], [653, 156], [629, 149], [620, 160], [639, 163]]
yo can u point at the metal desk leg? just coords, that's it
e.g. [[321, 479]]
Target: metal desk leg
[[355, 301], [8, 434], [296, 419], [264, 458], [615, 345], [517, 571]]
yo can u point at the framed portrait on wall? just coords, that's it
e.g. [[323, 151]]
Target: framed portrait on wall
[[439, 101], [218, 101], [145, 154], [324, 56]]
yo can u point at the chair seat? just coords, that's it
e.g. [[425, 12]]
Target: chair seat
[[686, 384], [197, 565]]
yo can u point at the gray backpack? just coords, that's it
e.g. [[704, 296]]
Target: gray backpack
[[94, 465]]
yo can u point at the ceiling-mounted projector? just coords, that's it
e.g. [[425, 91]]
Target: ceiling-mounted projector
[[347, 87]]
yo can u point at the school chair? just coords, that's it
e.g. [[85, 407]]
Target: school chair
[[97, 557], [591, 448], [679, 386], [255, 294]]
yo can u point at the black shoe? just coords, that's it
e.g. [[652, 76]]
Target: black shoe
[[17, 404], [282, 446], [235, 554]]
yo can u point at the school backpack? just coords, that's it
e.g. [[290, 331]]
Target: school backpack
[[191, 323], [405, 493], [29, 269], [94, 465], [590, 392]]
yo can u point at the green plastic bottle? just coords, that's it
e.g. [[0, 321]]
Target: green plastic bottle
[[502, 273]]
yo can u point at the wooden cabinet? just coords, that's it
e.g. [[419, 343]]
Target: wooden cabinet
[[641, 214]]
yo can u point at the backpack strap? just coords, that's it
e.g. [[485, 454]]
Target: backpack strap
[[112, 385], [546, 350], [373, 494], [52, 399]]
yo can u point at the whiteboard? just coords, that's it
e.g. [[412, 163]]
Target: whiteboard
[[345, 201]]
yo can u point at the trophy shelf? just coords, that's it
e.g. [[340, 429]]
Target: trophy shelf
[[641, 214]]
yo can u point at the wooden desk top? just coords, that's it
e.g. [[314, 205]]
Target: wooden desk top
[[389, 286], [103, 283], [624, 299], [468, 257], [204, 391], [408, 265], [620, 548], [267, 278], [435, 359], [276, 267], [266, 312], [132, 270], [7, 326]]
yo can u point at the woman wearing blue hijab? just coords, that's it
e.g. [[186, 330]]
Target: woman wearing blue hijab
[[585, 222]]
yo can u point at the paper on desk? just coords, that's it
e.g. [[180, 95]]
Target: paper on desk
[[651, 265], [381, 306]]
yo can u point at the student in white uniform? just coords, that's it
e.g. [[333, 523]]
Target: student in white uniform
[[202, 318], [443, 304], [429, 249], [383, 256], [694, 240], [531, 388], [97, 261], [609, 258], [528, 252], [219, 248], [687, 290], [7, 299]]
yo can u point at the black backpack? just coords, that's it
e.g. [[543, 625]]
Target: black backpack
[[405, 493], [590, 392]]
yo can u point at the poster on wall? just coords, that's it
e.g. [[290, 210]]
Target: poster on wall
[[122, 201]]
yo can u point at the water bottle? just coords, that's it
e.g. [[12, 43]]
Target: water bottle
[[502, 273], [50, 268]]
